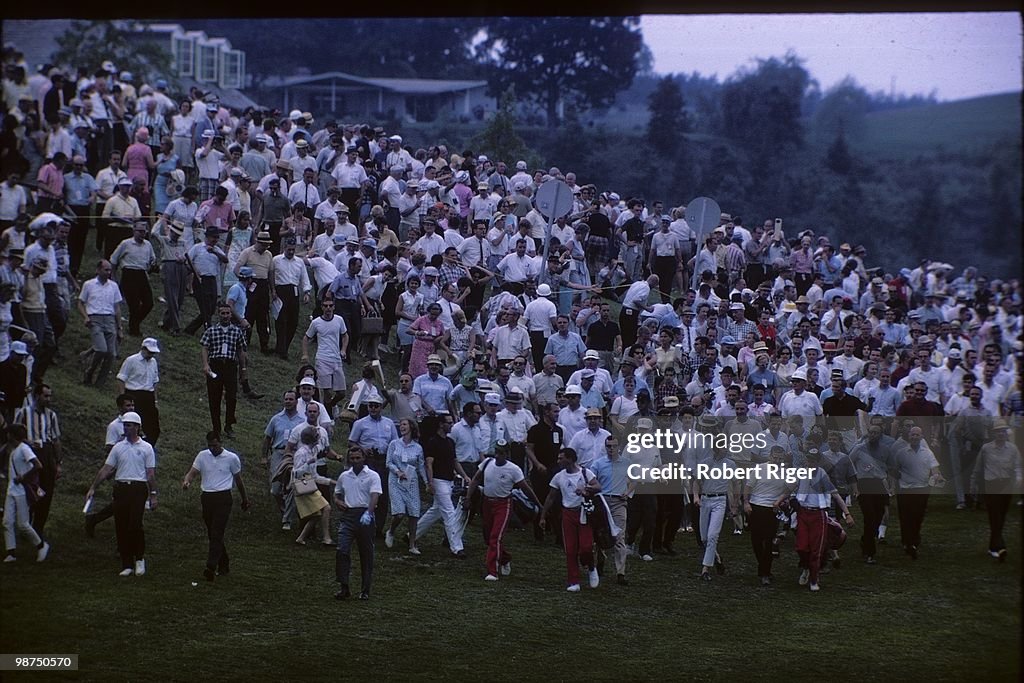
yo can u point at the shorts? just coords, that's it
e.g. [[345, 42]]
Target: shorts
[[330, 376]]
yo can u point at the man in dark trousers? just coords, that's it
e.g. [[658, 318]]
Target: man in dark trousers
[[872, 459], [543, 441], [223, 353], [219, 469], [356, 495]]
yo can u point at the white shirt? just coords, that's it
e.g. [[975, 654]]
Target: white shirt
[[349, 176], [431, 245], [131, 460], [636, 295], [100, 299], [357, 488], [300, 191], [806, 404], [139, 374], [589, 446], [218, 471], [517, 269], [328, 334], [516, 424], [499, 480], [538, 314], [572, 421], [470, 442], [291, 271], [567, 484]]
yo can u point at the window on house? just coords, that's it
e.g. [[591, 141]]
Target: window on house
[[184, 56], [231, 69], [208, 64]]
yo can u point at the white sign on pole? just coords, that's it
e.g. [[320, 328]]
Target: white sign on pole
[[703, 215], [554, 200]]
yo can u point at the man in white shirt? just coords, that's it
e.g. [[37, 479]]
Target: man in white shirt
[[219, 471], [589, 444], [356, 495], [633, 303], [499, 477], [540, 315], [305, 191], [139, 378], [289, 278], [799, 401], [517, 267], [572, 418]]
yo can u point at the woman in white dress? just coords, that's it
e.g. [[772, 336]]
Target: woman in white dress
[[407, 310], [182, 127]]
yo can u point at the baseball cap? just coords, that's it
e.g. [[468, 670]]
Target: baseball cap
[[131, 417], [493, 399], [307, 382], [151, 345]]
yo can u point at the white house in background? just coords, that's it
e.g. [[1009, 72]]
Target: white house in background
[[417, 99], [208, 61]]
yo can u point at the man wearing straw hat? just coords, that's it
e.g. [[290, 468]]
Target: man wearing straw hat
[[170, 233]]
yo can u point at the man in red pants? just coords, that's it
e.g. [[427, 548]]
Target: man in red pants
[[498, 477], [572, 485], [815, 495]]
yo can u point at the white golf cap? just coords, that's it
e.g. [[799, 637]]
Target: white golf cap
[[574, 389], [544, 290], [151, 345], [493, 399], [307, 382], [132, 417]]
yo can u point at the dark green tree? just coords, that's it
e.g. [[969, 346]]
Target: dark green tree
[[560, 60], [499, 139], [842, 109], [761, 108], [669, 120], [90, 43], [838, 157]]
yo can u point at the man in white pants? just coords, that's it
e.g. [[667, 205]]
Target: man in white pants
[[442, 466], [711, 495]]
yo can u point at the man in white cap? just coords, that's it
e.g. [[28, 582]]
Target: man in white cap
[[433, 388], [139, 378], [132, 463], [540, 315], [799, 401]]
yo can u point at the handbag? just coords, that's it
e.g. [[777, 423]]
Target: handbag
[[373, 323], [304, 485]]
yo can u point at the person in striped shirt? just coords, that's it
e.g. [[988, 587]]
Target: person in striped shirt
[[43, 430]]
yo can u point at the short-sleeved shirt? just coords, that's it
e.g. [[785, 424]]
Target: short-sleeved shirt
[[816, 491], [546, 442], [915, 466], [100, 299], [567, 484], [218, 471], [131, 460], [357, 488], [280, 427], [19, 464], [499, 480], [442, 453], [328, 334], [223, 342], [139, 374]]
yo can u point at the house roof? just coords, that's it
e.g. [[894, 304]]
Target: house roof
[[409, 86], [36, 39]]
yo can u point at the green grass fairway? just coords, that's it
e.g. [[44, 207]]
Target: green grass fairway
[[952, 615], [970, 126]]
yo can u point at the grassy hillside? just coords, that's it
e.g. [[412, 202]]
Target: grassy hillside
[[274, 616], [968, 126]]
